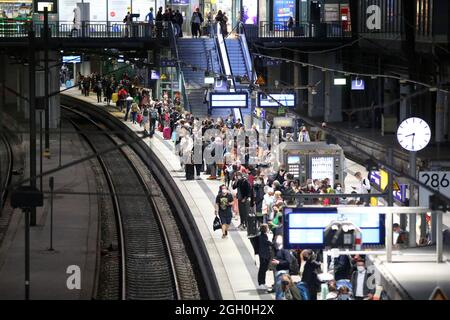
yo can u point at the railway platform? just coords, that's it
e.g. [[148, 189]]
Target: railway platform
[[233, 259], [75, 232]]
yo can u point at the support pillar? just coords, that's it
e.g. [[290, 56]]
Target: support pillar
[[412, 200]]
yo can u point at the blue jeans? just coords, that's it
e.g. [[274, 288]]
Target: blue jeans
[[133, 117]]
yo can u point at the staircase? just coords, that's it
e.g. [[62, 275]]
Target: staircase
[[194, 52], [238, 66], [236, 57]]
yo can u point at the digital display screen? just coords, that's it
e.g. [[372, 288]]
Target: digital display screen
[[249, 12], [322, 168], [293, 159], [277, 100], [358, 84], [304, 227], [42, 4], [71, 59], [283, 10], [154, 75], [228, 100]]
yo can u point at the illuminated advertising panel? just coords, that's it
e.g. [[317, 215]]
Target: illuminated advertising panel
[[283, 10], [117, 9], [65, 11], [97, 9], [304, 227], [249, 11]]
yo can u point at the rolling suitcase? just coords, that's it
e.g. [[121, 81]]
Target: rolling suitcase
[[167, 134], [252, 225]]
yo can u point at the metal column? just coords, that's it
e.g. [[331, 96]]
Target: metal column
[[439, 236], [412, 200], [389, 216], [32, 103], [46, 89]]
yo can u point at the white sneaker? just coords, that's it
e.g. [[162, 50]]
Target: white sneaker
[[262, 287]]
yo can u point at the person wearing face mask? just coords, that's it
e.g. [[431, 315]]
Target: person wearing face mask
[[310, 271], [267, 203], [360, 283], [224, 201], [338, 190], [288, 291]]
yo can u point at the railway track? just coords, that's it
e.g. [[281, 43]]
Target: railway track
[[6, 167], [147, 269]]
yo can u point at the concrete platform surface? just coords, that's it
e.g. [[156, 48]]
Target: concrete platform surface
[[74, 238]]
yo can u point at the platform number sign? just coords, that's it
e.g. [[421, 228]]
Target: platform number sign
[[439, 181]]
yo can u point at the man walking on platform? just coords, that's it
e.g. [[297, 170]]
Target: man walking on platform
[[244, 190]]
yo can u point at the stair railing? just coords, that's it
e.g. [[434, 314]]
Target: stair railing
[[174, 47]]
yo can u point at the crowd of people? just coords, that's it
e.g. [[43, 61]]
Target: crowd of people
[[251, 192]]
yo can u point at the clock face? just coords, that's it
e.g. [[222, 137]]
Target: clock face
[[414, 134]]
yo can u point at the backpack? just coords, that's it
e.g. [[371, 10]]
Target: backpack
[[294, 267], [145, 113], [153, 114], [303, 288]]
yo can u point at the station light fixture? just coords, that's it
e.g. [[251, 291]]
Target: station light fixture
[[340, 81]]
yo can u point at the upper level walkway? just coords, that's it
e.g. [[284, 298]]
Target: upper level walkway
[[103, 34], [119, 34]]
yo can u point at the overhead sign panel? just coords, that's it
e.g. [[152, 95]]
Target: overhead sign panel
[[276, 100], [228, 100], [304, 227]]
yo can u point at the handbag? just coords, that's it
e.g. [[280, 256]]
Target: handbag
[[217, 224]]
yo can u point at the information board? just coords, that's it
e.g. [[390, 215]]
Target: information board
[[304, 227], [276, 100], [437, 180], [228, 100], [322, 168]]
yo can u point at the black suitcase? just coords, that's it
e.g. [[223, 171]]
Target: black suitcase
[[190, 171], [252, 225]]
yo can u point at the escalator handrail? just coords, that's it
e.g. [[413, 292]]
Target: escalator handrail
[[227, 67]]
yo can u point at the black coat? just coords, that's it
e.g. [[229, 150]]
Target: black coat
[[259, 196], [244, 188], [284, 257], [310, 275], [342, 268], [264, 246]]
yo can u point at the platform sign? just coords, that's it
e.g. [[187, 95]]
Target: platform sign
[[283, 122], [52, 6], [437, 180], [228, 100], [275, 100]]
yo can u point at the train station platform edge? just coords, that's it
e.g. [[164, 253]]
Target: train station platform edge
[[234, 263]]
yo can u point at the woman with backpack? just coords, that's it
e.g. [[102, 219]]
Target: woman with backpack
[[145, 115]]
